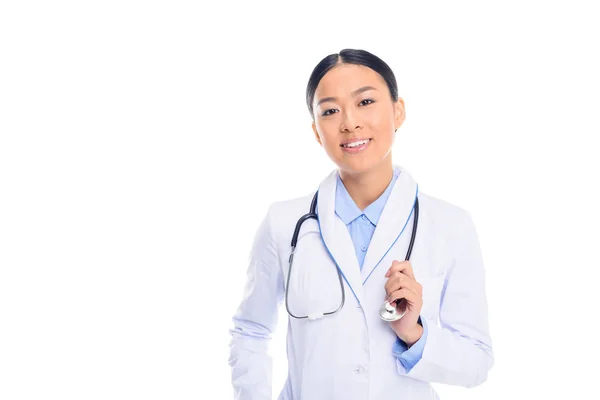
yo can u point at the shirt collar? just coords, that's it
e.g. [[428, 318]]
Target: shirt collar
[[348, 211]]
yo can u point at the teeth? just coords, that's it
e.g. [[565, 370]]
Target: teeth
[[356, 144]]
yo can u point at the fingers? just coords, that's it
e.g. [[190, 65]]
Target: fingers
[[404, 267], [398, 280], [404, 293]]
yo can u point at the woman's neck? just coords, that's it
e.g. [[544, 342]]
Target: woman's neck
[[367, 187]]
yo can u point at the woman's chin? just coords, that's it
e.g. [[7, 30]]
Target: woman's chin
[[357, 166]]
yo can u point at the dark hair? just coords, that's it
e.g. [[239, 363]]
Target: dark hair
[[350, 56]]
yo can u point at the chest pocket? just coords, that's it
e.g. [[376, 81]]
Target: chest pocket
[[433, 287], [430, 262], [313, 285]]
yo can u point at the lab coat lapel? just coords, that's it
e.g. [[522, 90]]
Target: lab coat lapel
[[393, 223], [336, 236]]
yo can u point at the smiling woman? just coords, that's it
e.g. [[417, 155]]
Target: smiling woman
[[353, 241]]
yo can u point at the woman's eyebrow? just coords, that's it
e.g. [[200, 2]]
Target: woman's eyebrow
[[354, 93]]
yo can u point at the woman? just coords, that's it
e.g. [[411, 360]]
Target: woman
[[353, 257]]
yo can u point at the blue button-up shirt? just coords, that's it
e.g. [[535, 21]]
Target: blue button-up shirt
[[361, 225]]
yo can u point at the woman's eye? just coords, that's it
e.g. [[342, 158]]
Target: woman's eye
[[332, 110]]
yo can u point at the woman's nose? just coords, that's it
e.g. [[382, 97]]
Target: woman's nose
[[350, 122]]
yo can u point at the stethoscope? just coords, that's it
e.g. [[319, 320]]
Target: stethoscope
[[387, 311]]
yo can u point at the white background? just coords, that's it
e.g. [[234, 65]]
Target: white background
[[142, 142]]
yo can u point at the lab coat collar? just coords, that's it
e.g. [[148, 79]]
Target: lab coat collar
[[394, 218]]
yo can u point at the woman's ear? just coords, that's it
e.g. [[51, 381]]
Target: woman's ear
[[399, 113], [314, 128]]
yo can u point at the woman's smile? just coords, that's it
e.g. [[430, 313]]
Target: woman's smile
[[356, 146]]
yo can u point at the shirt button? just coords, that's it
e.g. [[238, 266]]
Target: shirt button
[[364, 248], [364, 217], [359, 369]]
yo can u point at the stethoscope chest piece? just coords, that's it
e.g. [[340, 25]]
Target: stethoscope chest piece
[[389, 313]]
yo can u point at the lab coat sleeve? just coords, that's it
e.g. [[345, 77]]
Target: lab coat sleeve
[[458, 351], [256, 318], [408, 357]]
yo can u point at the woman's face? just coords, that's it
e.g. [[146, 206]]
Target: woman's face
[[352, 104]]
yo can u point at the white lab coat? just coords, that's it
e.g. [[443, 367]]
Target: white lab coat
[[348, 355]]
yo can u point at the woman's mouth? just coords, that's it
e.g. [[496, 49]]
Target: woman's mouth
[[356, 146]]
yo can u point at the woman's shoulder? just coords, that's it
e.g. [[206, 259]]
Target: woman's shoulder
[[443, 211], [285, 213], [282, 216]]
